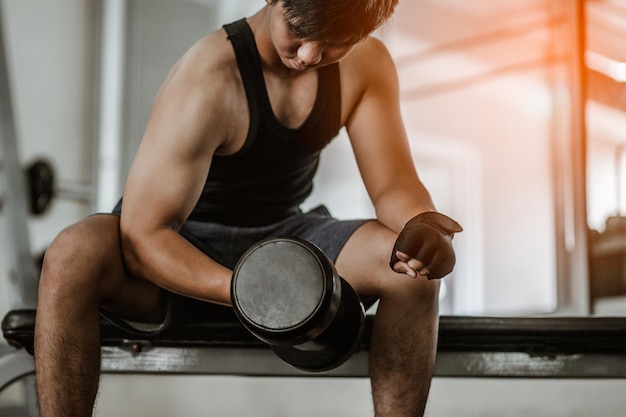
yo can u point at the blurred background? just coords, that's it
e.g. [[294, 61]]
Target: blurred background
[[516, 114]]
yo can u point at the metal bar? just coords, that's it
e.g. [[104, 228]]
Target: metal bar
[[31, 402], [569, 154], [15, 366], [524, 365], [108, 185], [75, 191], [23, 276], [579, 253], [262, 362], [217, 361]]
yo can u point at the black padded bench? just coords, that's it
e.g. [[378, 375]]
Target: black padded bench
[[542, 347]]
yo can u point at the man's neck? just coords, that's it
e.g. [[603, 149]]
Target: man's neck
[[270, 60]]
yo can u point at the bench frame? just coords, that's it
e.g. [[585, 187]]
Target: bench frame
[[511, 347]]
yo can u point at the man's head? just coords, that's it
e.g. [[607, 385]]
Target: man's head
[[346, 21]]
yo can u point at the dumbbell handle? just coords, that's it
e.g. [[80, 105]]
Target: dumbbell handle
[[74, 191]]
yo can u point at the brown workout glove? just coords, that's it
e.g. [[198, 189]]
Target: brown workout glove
[[427, 237]]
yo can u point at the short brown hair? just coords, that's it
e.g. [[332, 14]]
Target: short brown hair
[[345, 21]]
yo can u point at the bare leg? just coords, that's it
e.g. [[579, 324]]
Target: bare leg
[[404, 338], [82, 270]]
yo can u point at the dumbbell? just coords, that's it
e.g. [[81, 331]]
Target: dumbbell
[[287, 293], [42, 187]]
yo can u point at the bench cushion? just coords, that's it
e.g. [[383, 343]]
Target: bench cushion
[[536, 335]]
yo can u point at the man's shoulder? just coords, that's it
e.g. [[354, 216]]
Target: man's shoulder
[[205, 73], [367, 64], [370, 50], [212, 53], [368, 71]]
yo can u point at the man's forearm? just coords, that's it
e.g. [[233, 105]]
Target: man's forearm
[[168, 260]]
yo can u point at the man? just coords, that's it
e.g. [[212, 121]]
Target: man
[[228, 155]]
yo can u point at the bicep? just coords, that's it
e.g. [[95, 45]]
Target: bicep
[[172, 162]]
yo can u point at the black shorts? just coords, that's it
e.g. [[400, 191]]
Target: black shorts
[[225, 245]]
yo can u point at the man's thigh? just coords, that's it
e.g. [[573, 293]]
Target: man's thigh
[[364, 260], [93, 260], [226, 244]]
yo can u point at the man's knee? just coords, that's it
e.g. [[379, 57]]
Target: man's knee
[[421, 293], [77, 259], [364, 262]]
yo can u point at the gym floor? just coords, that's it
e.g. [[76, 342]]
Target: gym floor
[[191, 396], [274, 397]]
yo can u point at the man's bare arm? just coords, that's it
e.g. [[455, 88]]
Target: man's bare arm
[[381, 148], [379, 139], [184, 131]]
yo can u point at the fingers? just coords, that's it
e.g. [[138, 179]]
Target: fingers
[[409, 266]]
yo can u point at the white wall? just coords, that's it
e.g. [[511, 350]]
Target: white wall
[[50, 47]]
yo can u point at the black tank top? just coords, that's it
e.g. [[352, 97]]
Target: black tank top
[[272, 174]]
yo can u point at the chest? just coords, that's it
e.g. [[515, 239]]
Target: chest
[[292, 99], [306, 109]]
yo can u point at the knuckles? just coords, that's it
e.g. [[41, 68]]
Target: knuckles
[[430, 246]]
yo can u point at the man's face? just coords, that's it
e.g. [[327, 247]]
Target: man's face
[[301, 54]]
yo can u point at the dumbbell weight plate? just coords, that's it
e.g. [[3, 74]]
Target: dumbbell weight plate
[[40, 179], [288, 294], [284, 292], [336, 344]]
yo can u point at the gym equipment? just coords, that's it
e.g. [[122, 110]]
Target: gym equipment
[[288, 294], [519, 347], [22, 282], [43, 187], [23, 288], [607, 261], [40, 181], [434, 246], [554, 347]]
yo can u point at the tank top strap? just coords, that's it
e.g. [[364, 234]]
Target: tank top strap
[[322, 124], [249, 63]]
